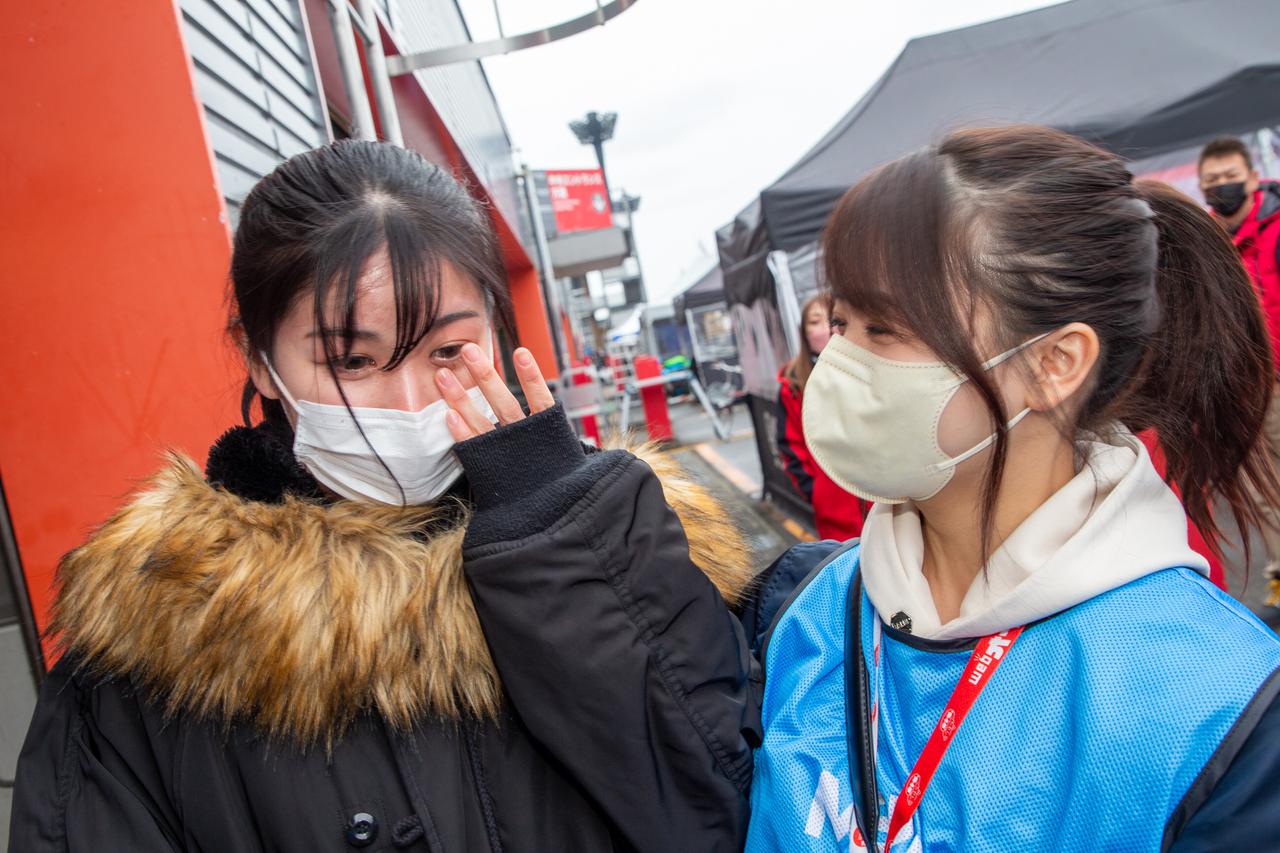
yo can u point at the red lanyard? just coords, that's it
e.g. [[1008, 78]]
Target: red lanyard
[[986, 657]]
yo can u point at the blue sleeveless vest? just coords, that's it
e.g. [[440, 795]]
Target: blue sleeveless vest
[[1087, 738]]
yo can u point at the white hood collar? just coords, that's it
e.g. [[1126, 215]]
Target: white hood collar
[[1113, 523]]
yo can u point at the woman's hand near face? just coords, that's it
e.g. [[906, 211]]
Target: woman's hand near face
[[464, 419]]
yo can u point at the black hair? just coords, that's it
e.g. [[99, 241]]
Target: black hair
[[1225, 146], [310, 227]]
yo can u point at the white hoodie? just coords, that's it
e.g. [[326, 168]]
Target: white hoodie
[[1114, 522]]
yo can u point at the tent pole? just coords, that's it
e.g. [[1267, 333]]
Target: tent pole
[[788, 302], [1267, 152]]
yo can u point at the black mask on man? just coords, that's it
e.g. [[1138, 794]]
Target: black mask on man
[[1226, 199]]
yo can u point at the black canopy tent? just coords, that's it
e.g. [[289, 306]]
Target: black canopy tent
[[1142, 77], [707, 290]]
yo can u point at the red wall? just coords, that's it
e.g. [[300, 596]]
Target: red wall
[[114, 256]]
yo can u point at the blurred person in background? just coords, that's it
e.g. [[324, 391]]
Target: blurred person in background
[[837, 514], [1248, 207]]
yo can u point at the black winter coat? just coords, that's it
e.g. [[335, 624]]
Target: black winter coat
[[251, 668]]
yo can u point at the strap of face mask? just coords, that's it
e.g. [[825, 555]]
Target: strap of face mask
[[1008, 354], [1000, 359], [275, 377], [1017, 419], [982, 445]]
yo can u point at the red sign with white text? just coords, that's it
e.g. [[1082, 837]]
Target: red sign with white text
[[578, 200]]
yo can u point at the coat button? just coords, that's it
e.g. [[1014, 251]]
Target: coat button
[[362, 830]]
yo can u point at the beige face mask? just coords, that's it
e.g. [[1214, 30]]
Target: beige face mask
[[872, 423]]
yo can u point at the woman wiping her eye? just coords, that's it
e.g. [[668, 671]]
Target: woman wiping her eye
[[1023, 653], [349, 633]]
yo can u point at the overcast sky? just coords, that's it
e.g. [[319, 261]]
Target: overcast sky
[[715, 98]]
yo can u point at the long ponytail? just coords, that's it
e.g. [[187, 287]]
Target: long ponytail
[[1206, 379]]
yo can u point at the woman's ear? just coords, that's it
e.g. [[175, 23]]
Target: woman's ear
[[1061, 365], [262, 378], [258, 373]]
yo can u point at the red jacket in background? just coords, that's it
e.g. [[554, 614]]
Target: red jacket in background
[[1258, 239], [836, 513]]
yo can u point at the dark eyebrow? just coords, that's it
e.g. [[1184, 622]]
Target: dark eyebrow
[[368, 335], [356, 334], [446, 319]]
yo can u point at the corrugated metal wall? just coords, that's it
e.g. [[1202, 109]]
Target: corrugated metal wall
[[461, 94], [255, 77]]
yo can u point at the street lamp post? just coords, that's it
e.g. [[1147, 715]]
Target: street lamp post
[[595, 130]]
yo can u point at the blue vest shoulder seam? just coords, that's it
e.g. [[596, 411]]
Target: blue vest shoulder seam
[[1254, 624]]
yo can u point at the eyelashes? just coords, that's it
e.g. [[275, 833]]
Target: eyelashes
[[450, 353], [351, 363], [355, 364]]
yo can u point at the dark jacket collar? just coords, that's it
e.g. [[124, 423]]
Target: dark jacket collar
[[257, 464]]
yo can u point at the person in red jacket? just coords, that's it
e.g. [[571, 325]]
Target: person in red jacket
[[837, 514], [1249, 208]]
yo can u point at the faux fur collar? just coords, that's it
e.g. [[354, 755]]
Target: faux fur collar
[[298, 615]]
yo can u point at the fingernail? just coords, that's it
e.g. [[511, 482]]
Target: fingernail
[[445, 377], [523, 358], [472, 353]]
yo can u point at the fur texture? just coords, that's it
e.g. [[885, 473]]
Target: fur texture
[[298, 616]]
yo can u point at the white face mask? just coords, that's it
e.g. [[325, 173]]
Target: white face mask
[[416, 447], [872, 423]]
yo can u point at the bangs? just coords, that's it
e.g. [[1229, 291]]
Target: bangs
[[892, 250], [414, 260]]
